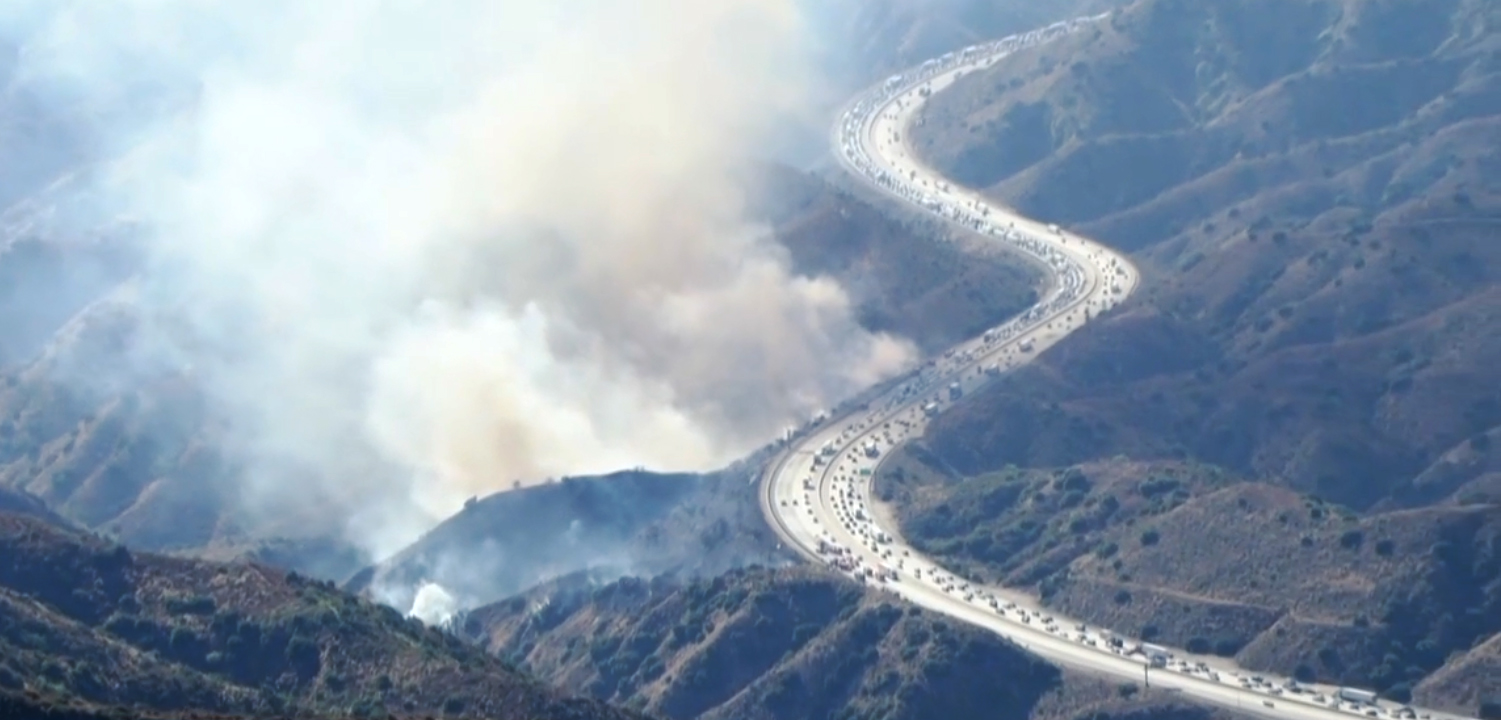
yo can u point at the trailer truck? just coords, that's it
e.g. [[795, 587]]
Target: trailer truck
[[1356, 695]]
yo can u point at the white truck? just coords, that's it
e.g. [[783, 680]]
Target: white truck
[[1356, 695]]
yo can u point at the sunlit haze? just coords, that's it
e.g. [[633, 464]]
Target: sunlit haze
[[417, 252]]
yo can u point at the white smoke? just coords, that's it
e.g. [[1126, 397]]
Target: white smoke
[[433, 605], [418, 251]]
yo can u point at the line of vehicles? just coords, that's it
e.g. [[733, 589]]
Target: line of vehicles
[[870, 555], [828, 497]]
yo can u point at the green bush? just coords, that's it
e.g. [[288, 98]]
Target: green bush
[[303, 655], [1351, 539], [183, 640], [1150, 538]]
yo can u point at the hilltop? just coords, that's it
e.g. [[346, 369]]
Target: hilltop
[[1287, 439], [86, 622], [784, 644], [129, 444], [624, 523]]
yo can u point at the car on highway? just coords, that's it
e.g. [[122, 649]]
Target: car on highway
[[1088, 277]]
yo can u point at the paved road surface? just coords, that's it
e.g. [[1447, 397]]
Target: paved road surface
[[817, 492]]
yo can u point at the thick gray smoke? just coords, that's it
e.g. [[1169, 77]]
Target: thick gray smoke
[[418, 251]]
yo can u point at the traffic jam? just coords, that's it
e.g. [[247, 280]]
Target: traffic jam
[[836, 484]]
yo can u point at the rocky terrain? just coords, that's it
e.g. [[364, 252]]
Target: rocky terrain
[[1320, 296], [627, 523], [1190, 555], [141, 457], [1284, 449], [87, 621], [790, 643]]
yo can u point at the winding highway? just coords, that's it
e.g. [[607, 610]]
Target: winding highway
[[816, 493]]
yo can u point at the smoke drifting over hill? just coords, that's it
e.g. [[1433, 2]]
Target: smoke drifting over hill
[[418, 251]]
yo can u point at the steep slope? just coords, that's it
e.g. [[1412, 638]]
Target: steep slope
[[20, 503], [909, 279], [1313, 195], [625, 523], [882, 36], [125, 442], [792, 643], [1332, 288], [86, 619], [1188, 555]]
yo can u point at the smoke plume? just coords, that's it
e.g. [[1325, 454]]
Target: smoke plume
[[418, 251], [433, 605]]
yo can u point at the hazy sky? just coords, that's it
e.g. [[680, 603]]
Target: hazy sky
[[417, 251]]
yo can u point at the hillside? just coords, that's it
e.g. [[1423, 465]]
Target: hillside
[[142, 459], [1321, 297], [911, 279], [86, 620], [1187, 554], [785, 644], [878, 37], [626, 523], [141, 456], [19, 503], [1300, 409]]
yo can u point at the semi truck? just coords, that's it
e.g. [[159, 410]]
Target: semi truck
[[1356, 695]]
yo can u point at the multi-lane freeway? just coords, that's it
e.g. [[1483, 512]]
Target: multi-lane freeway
[[817, 492]]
